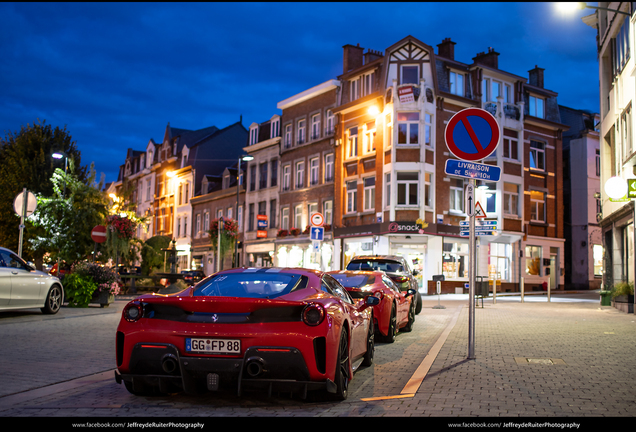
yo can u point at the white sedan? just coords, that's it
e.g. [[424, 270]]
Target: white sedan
[[24, 287]]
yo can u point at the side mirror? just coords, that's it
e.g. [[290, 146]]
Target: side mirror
[[31, 265], [416, 272], [370, 301], [411, 292]]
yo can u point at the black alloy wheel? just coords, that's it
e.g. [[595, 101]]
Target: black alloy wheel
[[342, 368]]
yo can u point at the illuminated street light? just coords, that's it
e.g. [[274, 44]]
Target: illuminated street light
[[571, 7]]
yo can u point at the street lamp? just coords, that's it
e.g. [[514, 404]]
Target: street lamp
[[569, 7], [60, 155], [245, 158]]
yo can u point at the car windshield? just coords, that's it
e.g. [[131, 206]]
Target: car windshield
[[383, 265], [353, 280], [251, 285]]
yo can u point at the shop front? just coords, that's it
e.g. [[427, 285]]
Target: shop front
[[299, 251], [260, 254]]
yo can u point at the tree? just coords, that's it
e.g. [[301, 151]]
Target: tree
[[27, 163], [64, 221]]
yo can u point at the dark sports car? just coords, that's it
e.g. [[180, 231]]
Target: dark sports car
[[396, 310], [288, 329]]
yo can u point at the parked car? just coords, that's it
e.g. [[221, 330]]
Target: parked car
[[396, 310], [192, 277], [24, 287], [395, 267], [291, 329]]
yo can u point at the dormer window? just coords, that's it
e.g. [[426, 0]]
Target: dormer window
[[253, 135], [536, 107], [275, 128], [457, 83]]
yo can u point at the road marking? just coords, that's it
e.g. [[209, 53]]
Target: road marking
[[416, 380], [420, 373]]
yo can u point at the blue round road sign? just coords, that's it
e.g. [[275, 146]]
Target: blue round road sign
[[472, 134]]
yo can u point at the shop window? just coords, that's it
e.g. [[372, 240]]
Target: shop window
[[499, 261], [533, 260], [455, 259]]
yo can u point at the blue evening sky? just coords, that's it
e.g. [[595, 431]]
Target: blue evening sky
[[116, 73]]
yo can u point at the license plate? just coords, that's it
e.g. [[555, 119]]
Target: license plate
[[213, 346]]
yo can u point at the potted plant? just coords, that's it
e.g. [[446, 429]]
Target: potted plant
[[294, 231], [104, 279], [623, 296], [282, 233]]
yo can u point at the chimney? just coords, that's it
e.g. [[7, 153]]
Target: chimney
[[446, 49], [536, 76], [372, 55], [491, 58], [352, 58]]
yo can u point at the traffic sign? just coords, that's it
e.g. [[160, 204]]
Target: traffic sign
[[316, 219], [18, 202], [472, 170], [479, 211], [478, 224], [317, 233], [99, 234], [470, 200], [472, 134]]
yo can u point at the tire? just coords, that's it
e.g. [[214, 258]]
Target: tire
[[53, 301], [368, 356], [393, 327], [409, 325], [342, 377], [418, 306]]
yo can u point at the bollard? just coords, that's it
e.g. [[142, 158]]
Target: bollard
[[494, 291], [548, 290], [522, 289]]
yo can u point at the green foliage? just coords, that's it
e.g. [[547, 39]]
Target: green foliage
[[27, 163], [622, 288], [104, 277], [65, 220], [79, 289], [151, 254]]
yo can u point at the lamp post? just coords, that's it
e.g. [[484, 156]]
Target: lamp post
[[245, 158], [60, 155]]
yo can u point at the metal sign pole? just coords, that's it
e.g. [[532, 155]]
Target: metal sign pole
[[471, 282], [25, 198]]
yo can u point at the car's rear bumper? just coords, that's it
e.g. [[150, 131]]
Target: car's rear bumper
[[161, 366]]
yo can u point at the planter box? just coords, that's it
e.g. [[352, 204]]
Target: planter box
[[624, 303], [104, 298]]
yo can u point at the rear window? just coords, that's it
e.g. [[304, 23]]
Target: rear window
[[353, 281], [383, 265], [251, 285]]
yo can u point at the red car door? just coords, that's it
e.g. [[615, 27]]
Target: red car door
[[358, 320], [401, 300]]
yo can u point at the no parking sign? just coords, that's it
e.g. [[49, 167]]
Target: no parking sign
[[472, 134]]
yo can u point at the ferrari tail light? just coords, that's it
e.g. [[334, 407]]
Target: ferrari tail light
[[401, 279], [133, 312], [313, 314]]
